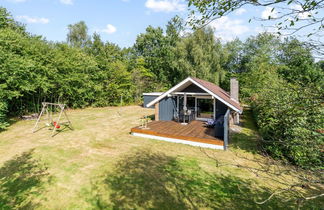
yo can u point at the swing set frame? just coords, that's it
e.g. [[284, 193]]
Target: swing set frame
[[49, 113]]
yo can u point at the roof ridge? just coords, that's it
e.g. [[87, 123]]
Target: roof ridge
[[221, 90], [224, 91]]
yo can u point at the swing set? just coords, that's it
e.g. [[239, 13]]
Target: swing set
[[47, 109]]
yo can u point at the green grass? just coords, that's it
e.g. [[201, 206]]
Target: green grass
[[99, 165]]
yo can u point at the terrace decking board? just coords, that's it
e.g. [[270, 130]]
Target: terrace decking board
[[194, 131]]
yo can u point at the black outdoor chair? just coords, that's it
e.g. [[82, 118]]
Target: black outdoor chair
[[186, 117]]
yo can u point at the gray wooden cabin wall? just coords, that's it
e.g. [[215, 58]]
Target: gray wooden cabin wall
[[167, 108], [193, 89], [220, 108], [147, 99]]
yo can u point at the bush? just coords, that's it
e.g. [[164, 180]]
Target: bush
[[3, 112], [290, 120]]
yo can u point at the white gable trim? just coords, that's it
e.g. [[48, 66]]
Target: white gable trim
[[199, 85], [168, 92], [216, 96]]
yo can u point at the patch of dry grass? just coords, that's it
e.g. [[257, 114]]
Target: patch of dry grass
[[77, 159]]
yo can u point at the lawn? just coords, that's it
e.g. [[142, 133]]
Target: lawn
[[100, 165]]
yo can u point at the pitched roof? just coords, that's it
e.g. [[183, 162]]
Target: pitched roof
[[218, 91], [209, 87]]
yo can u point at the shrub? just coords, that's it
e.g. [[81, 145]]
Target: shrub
[[3, 112], [290, 120]]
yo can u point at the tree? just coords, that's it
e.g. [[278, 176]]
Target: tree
[[6, 21], [200, 55], [142, 78], [78, 34], [298, 63], [290, 16], [153, 46], [174, 28], [321, 65], [234, 50]]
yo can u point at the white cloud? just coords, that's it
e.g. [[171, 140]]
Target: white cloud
[[271, 30], [228, 29], [165, 5], [69, 2], [301, 15], [28, 19], [240, 11], [110, 29], [267, 29], [269, 11]]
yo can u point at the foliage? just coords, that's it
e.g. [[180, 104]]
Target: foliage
[[287, 105], [3, 111], [33, 70], [153, 47], [290, 120], [6, 21], [299, 65], [200, 55], [288, 16], [78, 34], [142, 77], [172, 57]]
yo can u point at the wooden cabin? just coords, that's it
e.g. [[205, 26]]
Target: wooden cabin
[[194, 112]]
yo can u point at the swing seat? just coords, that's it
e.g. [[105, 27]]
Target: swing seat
[[56, 125]]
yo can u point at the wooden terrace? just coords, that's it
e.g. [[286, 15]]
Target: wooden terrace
[[194, 133]]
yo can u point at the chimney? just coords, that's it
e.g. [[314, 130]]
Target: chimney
[[234, 89], [235, 96]]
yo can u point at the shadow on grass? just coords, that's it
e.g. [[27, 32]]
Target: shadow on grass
[[62, 130], [20, 179], [247, 138], [9, 122], [156, 181]]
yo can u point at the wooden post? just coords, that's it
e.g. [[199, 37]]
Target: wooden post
[[70, 124], [157, 111], [58, 119], [40, 115], [178, 104], [196, 107], [214, 108], [45, 108]]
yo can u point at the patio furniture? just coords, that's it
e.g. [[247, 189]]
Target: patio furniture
[[186, 116], [176, 116], [212, 123]]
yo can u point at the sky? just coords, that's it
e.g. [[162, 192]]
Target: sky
[[120, 21]]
